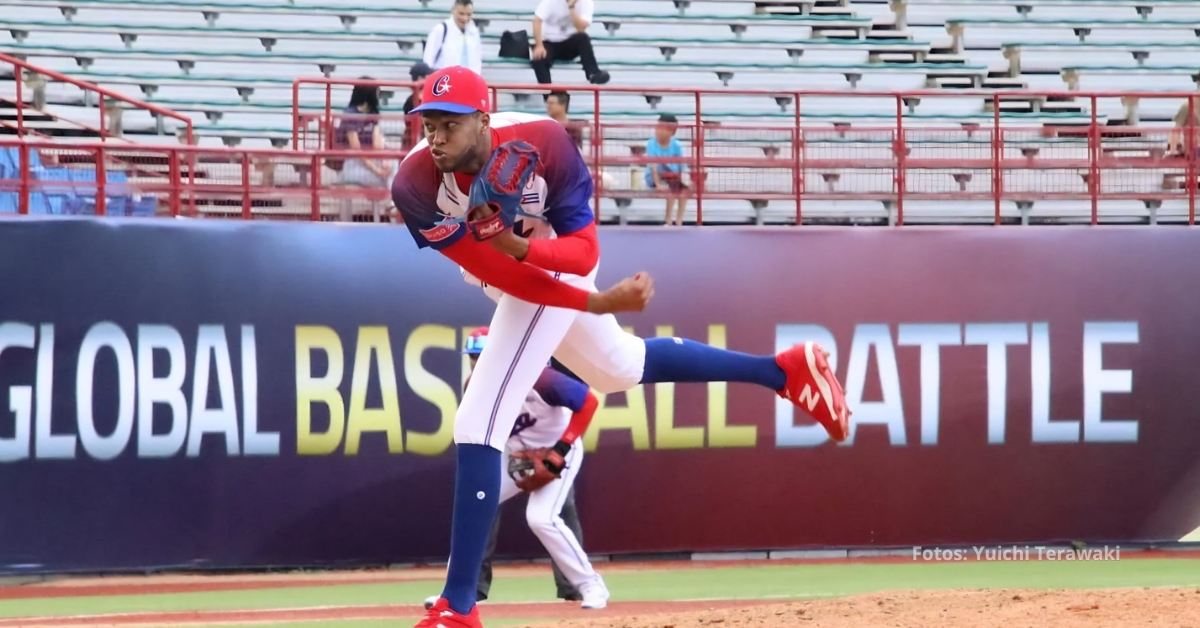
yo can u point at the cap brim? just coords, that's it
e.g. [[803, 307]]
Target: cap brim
[[447, 107]]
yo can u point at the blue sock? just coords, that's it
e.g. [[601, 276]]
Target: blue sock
[[476, 498], [682, 360]]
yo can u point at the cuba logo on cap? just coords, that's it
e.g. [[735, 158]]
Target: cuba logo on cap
[[442, 86]]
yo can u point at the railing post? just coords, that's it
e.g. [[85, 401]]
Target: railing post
[[103, 126], [19, 73], [245, 186], [296, 114], [23, 151], [797, 170], [327, 132], [315, 183], [1190, 146], [101, 175], [20, 67], [192, 159], [997, 153], [901, 160], [597, 150], [698, 168], [1094, 176], [173, 176]]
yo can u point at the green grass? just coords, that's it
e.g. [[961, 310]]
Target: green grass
[[293, 597], [743, 582], [828, 580]]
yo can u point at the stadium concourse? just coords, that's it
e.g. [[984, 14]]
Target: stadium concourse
[[827, 111]]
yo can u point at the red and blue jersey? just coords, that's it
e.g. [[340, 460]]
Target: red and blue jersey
[[554, 203]]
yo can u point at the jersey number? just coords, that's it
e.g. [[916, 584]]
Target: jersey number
[[524, 422]]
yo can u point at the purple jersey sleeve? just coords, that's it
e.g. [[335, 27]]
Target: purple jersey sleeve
[[568, 181], [558, 389], [414, 192]]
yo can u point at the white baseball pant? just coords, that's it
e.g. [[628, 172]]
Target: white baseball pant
[[521, 338], [544, 518]]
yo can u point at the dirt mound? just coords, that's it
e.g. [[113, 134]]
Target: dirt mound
[[1004, 608]]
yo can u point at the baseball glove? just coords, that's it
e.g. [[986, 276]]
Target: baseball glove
[[495, 198], [532, 469]]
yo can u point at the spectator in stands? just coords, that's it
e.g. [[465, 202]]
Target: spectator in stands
[[359, 129], [560, 34], [667, 176], [412, 125], [455, 41], [558, 105], [1177, 142], [419, 71]]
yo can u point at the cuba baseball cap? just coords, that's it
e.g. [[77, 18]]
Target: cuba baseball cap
[[476, 341], [454, 90]]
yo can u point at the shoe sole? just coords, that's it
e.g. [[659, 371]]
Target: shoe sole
[[827, 383]]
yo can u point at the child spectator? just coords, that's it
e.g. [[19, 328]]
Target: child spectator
[[667, 177]]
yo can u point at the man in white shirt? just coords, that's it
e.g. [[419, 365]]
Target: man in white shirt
[[560, 34], [455, 41]]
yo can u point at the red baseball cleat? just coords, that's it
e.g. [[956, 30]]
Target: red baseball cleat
[[813, 387], [440, 615]]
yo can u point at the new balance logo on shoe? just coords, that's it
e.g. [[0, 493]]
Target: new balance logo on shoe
[[809, 397]]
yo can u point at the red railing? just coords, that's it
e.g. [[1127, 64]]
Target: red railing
[[807, 157], [21, 68], [106, 178], [930, 157]]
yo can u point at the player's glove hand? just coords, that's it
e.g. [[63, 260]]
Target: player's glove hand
[[495, 197], [532, 469]]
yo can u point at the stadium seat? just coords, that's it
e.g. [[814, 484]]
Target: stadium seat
[[9, 172], [10, 169], [60, 198], [229, 65], [118, 197]]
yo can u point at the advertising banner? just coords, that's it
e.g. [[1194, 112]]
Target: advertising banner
[[190, 393]]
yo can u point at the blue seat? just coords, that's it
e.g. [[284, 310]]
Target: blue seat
[[145, 206], [84, 200], [117, 198], [53, 195], [121, 200], [116, 193], [39, 203], [35, 160], [10, 186], [58, 197], [8, 168]]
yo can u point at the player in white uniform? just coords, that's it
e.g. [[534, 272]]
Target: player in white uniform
[[556, 413], [475, 167]]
